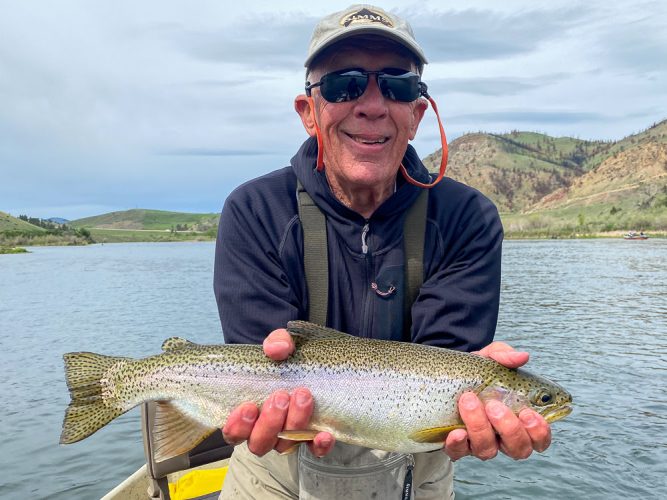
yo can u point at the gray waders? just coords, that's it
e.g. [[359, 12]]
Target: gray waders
[[348, 472]]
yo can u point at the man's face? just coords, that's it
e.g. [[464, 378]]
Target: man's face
[[364, 140]]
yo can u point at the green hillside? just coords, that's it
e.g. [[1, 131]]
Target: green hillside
[[14, 224], [517, 169], [154, 220], [547, 186]]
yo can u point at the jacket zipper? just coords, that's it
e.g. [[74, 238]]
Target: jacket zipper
[[364, 233]]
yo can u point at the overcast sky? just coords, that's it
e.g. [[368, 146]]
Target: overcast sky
[[163, 104]]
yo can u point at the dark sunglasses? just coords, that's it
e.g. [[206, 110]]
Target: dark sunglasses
[[349, 84]]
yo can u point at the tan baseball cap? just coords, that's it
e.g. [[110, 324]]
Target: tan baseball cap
[[362, 19]]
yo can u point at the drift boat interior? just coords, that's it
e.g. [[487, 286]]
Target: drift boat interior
[[197, 474]]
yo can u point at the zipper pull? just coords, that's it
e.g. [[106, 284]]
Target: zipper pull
[[407, 484], [364, 232]]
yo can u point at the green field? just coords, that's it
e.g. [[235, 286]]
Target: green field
[[157, 220], [128, 235]]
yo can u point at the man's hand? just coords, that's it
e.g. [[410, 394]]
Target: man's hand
[[494, 426], [281, 411]]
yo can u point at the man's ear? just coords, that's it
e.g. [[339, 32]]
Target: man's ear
[[303, 106], [420, 107]]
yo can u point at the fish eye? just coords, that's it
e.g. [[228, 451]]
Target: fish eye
[[542, 397]]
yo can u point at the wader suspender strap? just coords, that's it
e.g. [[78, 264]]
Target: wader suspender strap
[[414, 233], [316, 256]]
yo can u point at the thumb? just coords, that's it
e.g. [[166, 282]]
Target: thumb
[[278, 345]]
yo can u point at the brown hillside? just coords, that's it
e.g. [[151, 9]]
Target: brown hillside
[[635, 175], [512, 175]]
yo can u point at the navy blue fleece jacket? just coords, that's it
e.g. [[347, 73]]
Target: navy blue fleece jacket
[[259, 280]]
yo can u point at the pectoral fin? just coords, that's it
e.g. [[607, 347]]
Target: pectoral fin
[[434, 434], [301, 435], [174, 432]]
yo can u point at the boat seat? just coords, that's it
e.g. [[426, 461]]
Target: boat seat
[[212, 449]]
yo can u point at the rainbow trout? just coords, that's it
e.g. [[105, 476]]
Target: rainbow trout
[[392, 396]]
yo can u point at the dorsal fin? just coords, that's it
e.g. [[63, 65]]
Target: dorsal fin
[[311, 331], [174, 343]]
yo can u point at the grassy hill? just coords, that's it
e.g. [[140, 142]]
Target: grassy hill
[[547, 186], [16, 232], [156, 220], [517, 169], [14, 224], [149, 225]]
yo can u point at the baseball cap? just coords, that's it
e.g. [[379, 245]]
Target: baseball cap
[[362, 19]]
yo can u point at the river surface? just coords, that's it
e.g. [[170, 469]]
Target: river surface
[[592, 313]]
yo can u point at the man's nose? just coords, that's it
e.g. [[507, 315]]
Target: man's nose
[[372, 103]]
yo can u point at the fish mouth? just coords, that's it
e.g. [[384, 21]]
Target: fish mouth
[[557, 413]]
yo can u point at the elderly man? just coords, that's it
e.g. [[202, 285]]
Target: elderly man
[[363, 103]]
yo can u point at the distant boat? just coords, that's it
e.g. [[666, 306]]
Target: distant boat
[[632, 235]]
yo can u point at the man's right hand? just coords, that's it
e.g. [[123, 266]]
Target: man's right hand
[[281, 411]]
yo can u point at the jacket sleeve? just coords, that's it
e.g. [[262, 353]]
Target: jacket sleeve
[[253, 293], [457, 306]]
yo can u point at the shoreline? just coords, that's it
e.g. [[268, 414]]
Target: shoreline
[[541, 235]]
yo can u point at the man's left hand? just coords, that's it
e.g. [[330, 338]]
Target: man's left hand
[[494, 427]]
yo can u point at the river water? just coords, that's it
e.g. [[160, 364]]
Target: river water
[[592, 313]]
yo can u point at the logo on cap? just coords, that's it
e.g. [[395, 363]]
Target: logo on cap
[[365, 16]]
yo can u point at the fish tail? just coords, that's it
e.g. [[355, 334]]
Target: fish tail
[[89, 410]]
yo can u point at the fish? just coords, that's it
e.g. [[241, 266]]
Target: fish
[[380, 394]]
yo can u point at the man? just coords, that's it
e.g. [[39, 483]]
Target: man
[[363, 104]]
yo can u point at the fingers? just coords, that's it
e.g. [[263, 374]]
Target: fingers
[[510, 359], [537, 428], [322, 444], [515, 441], [279, 412], [504, 354], [481, 435], [240, 423], [278, 345], [494, 427], [298, 416], [271, 421], [457, 445]]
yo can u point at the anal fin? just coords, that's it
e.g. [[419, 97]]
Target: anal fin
[[175, 432], [434, 434], [299, 435]]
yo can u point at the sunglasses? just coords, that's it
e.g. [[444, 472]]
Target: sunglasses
[[349, 84]]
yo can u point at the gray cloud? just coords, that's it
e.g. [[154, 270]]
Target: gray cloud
[[637, 45], [485, 34], [529, 117], [266, 41], [493, 86]]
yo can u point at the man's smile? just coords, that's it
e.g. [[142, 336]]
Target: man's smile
[[368, 139]]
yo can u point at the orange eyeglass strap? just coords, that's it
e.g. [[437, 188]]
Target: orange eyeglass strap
[[443, 161], [318, 134], [443, 141]]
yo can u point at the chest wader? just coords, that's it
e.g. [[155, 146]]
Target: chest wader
[[353, 472]]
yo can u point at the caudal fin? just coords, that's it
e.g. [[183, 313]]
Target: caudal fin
[[88, 411]]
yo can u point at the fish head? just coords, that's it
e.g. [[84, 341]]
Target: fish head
[[524, 390]]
